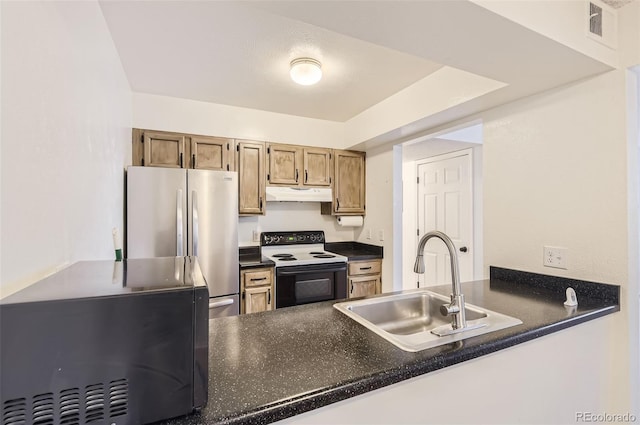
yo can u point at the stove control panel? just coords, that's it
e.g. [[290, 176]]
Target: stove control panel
[[291, 238]]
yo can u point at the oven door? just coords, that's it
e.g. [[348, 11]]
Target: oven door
[[297, 285]]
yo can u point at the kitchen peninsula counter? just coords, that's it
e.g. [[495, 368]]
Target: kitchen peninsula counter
[[269, 366]]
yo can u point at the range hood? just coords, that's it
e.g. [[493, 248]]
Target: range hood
[[294, 194]]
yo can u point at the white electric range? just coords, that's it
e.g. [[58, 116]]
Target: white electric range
[[305, 272]]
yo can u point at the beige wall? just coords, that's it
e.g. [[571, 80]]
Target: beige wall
[[66, 129]]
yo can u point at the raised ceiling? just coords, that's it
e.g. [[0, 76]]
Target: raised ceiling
[[229, 53], [238, 52]]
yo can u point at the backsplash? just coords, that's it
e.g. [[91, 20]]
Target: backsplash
[[292, 216]]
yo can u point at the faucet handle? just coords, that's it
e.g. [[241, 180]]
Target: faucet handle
[[449, 309]]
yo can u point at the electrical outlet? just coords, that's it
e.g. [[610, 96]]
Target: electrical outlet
[[256, 235], [381, 234], [555, 256], [369, 234]]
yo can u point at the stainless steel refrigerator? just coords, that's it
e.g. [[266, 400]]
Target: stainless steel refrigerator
[[176, 212]]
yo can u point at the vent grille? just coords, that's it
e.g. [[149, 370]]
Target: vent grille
[[595, 19], [72, 406], [14, 412], [94, 403], [118, 397], [43, 409]]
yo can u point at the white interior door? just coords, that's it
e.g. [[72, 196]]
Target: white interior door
[[445, 203]]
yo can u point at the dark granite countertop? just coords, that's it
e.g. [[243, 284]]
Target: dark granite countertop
[[250, 257], [354, 250], [265, 367]]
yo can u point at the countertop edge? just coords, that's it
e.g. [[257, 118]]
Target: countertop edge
[[310, 401]]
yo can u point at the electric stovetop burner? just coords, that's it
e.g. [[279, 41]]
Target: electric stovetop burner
[[287, 249]]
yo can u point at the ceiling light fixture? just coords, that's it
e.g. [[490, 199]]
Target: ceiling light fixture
[[305, 71]]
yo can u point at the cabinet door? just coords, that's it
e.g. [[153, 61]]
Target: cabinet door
[[349, 185], [163, 150], [211, 153], [317, 167], [361, 286], [284, 164], [250, 163], [258, 299]]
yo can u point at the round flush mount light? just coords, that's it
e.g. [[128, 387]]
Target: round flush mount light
[[305, 71]]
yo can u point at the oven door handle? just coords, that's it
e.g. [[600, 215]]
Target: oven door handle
[[289, 271]]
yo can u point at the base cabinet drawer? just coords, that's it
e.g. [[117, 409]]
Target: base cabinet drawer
[[365, 267]]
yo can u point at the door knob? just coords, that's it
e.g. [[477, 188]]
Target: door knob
[[463, 249]]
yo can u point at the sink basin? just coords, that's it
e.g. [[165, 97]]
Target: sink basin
[[408, 319]]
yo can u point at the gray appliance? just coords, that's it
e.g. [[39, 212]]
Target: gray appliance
[[106, 342], [176, 212]]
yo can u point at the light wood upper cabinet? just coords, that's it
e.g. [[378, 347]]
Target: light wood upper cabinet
[[176, 150], [284, 164], [292, 165], [349, 184], [317, 166], [163, 149], [250, 164], [211, 153]]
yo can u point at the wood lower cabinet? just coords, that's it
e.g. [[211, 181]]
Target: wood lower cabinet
[[348, 185], [256, 289], [364, 278], [250, 164]]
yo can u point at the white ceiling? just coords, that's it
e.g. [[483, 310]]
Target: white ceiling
[[229, 53], [238, 52]]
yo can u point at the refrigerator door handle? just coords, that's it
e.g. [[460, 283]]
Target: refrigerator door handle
[[179, 229], [217, 304], [194, 216]]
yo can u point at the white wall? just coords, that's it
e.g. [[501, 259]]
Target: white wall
[[293, 216], [380, 209], [66, 136], [555, 174], [190, 116]]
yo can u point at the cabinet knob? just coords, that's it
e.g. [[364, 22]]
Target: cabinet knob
[[463, 249]]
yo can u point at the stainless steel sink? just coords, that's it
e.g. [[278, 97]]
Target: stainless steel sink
[[409, 319]]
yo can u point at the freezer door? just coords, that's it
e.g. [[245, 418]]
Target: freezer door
[[156, 212], [213, 228]]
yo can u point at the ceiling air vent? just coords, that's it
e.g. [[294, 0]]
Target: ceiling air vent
[[602, 23]]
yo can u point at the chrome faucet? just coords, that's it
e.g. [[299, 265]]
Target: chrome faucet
[[456, 307]]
